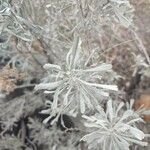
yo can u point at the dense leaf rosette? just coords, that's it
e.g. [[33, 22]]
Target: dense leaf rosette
[[114, 130]]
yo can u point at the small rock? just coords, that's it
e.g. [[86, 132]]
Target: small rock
[[144, 101]]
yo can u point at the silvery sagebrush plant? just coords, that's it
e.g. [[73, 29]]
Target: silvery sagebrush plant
[[115, 129], [75, 85], [88, 18], [13, 22], [119, 10]]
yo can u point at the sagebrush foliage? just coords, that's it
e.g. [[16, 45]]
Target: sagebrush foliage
[[59, 46], [115, 129], [74, 84]]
